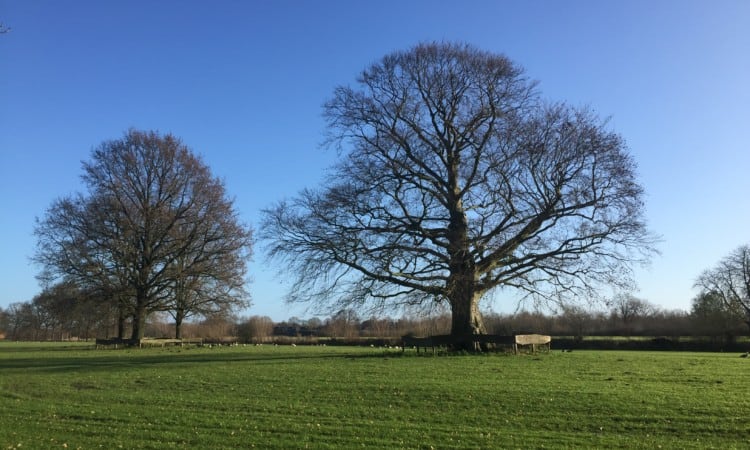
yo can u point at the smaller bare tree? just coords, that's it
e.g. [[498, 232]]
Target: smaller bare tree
[[155, 231], [4, 320], [729, 281], [713, 317], [628, 308], [345, 323], [256, 329], [576, 319]]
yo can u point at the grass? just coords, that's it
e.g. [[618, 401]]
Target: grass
[[58, 396]]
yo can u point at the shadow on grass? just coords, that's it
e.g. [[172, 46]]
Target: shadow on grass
[[44, 359], [47, 347]]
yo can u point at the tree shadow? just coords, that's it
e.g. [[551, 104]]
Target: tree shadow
[[83, 361]]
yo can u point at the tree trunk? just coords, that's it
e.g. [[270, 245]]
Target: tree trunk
[[139, 321], [466, 320], [178, 318], [462, 282], [121, 319], [462, 287]]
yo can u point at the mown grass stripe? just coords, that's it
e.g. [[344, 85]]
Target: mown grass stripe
[[324, 397]]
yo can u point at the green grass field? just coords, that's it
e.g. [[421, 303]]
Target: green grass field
[[58, 396]]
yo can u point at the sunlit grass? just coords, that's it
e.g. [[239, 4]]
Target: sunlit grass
[[327, 397]]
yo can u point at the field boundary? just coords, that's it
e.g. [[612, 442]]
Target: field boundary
[[513, 342]]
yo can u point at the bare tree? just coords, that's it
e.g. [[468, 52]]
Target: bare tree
[[209, 274], [4, 323], [455, 180], [729, 282], [577, 319], [256, 329], [628, 308], [711, 315], [54, 308], [344, 324], [21, 322], [152, 207]]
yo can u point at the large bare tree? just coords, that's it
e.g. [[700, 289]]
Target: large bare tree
[[156, 231], [729, 281], [456, 179]]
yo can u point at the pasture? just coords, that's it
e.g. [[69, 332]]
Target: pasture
[[71, 396]]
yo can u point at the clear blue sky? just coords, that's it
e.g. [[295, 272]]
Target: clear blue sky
[[242, 83]]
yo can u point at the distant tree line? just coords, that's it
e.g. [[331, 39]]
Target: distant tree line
[[67, 314]]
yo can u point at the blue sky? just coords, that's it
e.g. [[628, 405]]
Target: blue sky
[[242, 83]]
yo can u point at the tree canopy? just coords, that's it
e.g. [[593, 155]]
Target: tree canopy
[[455, 179], [154, 232]]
